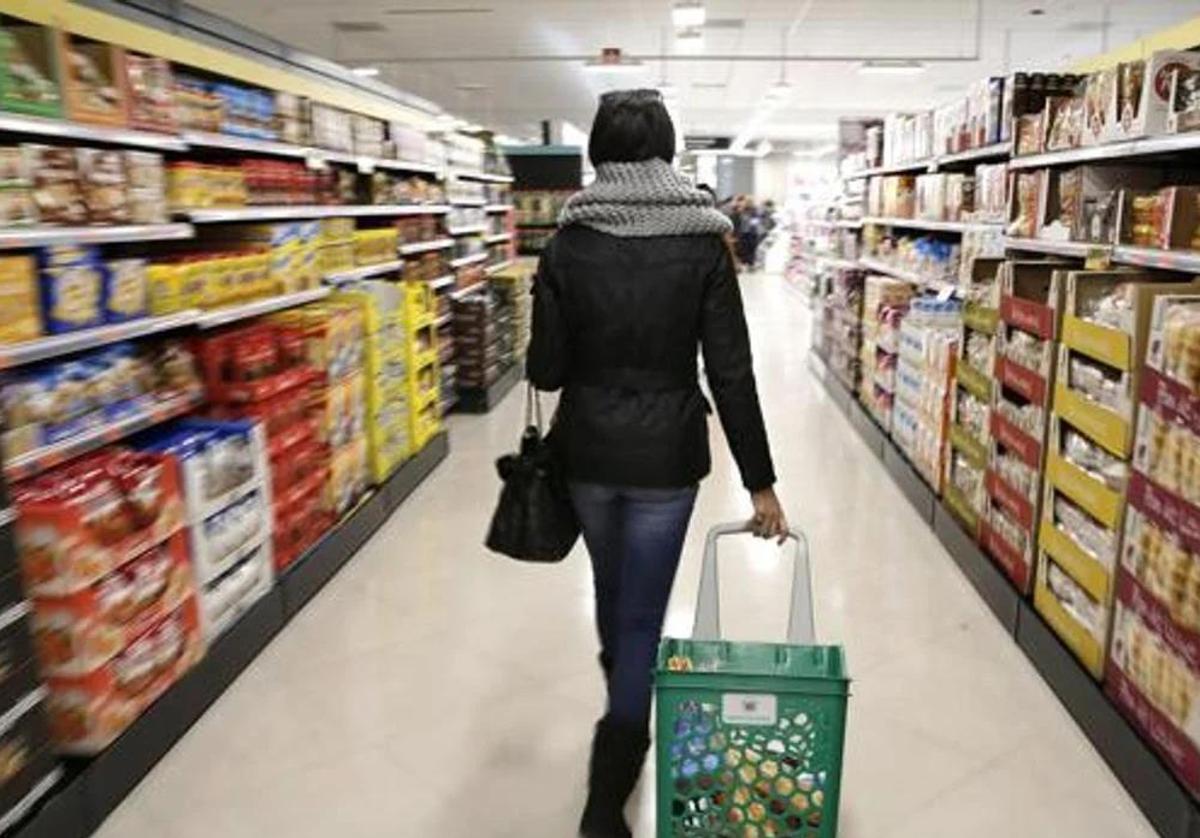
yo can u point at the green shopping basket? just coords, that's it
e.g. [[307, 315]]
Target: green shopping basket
[[750, 735]]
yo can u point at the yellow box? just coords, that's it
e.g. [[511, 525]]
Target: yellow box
[[1085, 645], [20, 300], [335, 257], [1103, 426], [164, 288], [974, 381], [974, 450], [1102, 343], [980, 318], [958, 504], [1080, 565], [1101, 502]]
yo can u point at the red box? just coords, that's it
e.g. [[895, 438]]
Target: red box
[[78, 523], [89, 712], [76, 634]]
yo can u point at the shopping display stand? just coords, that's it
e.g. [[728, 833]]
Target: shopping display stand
[[474, 400], [94, 788], [1164, 801]]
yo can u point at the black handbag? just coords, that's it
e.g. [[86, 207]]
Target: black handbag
[[534, 520]]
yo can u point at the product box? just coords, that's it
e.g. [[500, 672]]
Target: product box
[[78, 523], [29, 68], [125, 295], [149, 83], [20, 300], [94, 80], [87, 713], [1026, 202], [1141, 102], [227, 598], [1165, 219], [77, 633], [223, 539], [1081, 204]]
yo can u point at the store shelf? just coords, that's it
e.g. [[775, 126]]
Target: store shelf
[[934, 226], [895, 169], [483, 177], [1076, 250], [152, 413], [472, 400], [95, 788], [442, 282], [462, 262], [276, 213], [400, 166], [498, 238], [1187, 261], [848, 224], [495, 208], [467, 230], [31, 799], [229, 142], [498, 267], [7, 516], [424, 247], [18, 354], [443, 320], [999, 151], [839, 263], [1148, 147], [365, 272], [468, 202], [224, 316], [461, 293], [14, 238], [14, 123]]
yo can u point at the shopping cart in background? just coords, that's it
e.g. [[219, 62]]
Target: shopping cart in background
[[750, 735]]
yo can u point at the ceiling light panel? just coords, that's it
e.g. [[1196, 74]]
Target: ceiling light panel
[[687, 14]]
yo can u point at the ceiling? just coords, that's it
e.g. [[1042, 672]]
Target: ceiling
[[508, 64]]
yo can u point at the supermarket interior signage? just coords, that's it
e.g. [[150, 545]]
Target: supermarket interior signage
[[706, 142]]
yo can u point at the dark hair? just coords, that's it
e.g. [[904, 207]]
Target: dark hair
[[631, 126]]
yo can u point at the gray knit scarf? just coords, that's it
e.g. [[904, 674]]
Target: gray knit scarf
[[649, 198]]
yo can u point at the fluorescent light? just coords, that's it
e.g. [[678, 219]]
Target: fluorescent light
[[365, 72], [686, 15], [689, 41], [891, 68]]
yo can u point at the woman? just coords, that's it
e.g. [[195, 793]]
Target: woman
[[636, 278]]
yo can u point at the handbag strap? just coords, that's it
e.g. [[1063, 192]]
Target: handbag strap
[[533, 408]]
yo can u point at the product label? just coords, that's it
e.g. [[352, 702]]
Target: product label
[[1166, 510], [759, 709], [1028, 316], [1102, 343], [974, 381], [1183, 642], [1017, 441], [980, 318], [1170, 399], [1016, 504], [1175, 747], [1028, 383], [975, 451], [1007, 556]]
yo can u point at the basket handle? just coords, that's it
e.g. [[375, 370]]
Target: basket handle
[[801, 631]]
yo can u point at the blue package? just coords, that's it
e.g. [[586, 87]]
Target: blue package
[[72, 296]]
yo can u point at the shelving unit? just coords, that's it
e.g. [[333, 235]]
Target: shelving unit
[[467, 230], [484, 177], [498, 238], [464, 261], [283, 213], [365, 272], [1165, 145], [492, 209], [414, 248], [42, 349], [225, 316]]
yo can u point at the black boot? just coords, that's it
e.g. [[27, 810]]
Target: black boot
[[617, 755]]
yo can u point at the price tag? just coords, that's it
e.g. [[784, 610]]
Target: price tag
[[316, 162], [946, 293], [366, 165]]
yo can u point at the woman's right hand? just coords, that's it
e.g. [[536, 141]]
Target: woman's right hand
[[769, 520]]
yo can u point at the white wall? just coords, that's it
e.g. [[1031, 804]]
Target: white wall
[[771, 177]]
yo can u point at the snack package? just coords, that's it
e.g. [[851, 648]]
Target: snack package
[[225, 599], [27, 55], [125, 290], [150, 85], [57, 192], [20, 300], [103, 181], [72, 281], [75, 634], [93, 80], [80, 522], [89, 712], [219, 541]]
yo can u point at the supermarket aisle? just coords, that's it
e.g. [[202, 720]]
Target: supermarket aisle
[[433, 689]]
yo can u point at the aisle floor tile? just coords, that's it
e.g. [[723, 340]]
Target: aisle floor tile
[[434, 689]]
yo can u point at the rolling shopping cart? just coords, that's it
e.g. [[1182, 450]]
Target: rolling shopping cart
[[750, 735]]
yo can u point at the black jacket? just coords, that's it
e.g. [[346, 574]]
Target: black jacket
[[616, 325]]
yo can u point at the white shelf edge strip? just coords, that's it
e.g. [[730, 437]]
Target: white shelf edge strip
[[33, 236], [468, 202], [20, 124], [23, 807], [441, 282], [499, 266], [270, 213], [1146, 146], [498, 238], [468, 260], [365, 271], [483, 177], [221, 316], [492, 208], [443, 320], [424, 247], [29, 352], [14, 613], [7, 516], [468, 230], [937, 226], [205, 139]]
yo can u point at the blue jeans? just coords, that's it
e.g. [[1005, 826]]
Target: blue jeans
[[635, 538]]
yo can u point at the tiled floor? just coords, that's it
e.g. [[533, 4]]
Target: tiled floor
[[435, 690]]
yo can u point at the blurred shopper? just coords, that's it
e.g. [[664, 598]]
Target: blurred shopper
[[748, 233], [637, 277]]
